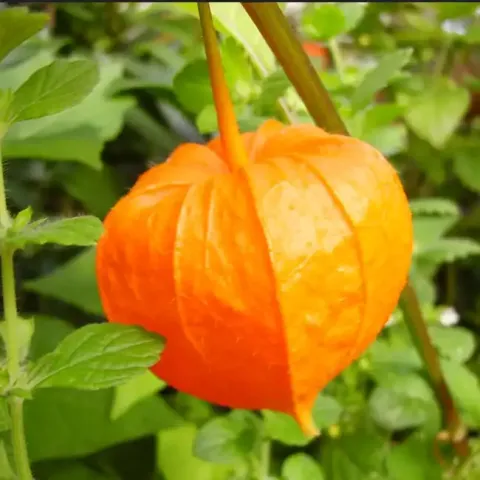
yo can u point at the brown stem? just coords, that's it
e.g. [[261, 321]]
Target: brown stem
[[279, 35]]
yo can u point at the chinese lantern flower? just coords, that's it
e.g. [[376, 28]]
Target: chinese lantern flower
[[266, 280]]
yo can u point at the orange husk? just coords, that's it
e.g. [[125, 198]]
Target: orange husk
[[266, 280], [269, 261]]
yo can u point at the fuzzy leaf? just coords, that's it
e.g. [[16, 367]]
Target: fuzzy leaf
[[96, 357], [434, 206], [81, 231]]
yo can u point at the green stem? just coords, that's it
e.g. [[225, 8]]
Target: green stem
[[20, 454], [279, 35], [337, 58], [265, 459]]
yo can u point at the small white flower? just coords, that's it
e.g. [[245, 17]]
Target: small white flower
[[392, 320], [449, 317]]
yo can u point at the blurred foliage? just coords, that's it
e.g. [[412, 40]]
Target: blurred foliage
[[405, 79]]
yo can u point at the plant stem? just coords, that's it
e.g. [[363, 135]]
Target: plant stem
[[337, 58], [227, 122], [419, 333], [20, 454], [277, 32]]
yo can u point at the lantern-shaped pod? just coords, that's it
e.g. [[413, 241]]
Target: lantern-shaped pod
[[266, 281]]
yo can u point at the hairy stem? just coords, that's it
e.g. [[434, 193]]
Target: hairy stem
[[277, 32], [227, 123], [22, 464]]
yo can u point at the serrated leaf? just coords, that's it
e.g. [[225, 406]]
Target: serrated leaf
[[437, 206], [18, 24], [301, 466], [64, 283], [229, 439], [96, 357], [81, 231], [448, 250], [379, 77], [457, 343], [407, 403], [436, 114], [134, 391], [66, 423], [53, 88]]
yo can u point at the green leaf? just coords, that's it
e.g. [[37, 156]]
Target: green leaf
[[192, 409], [430, 229], [466, 166], [82, 144], [81, 231], [414, 459], [229, 439], [97, 190], [97, 356], [324, 22], [357, 455], [22, 219], [283, 428], [455, 343], [65, 283], [448, 250], [235, 62], [133, 391], [272, 88], [465, 389], [53, 88], [48, 333], [437, 113], [406, 402], [64, 423], [379, 77], [192, 86], [390, 140], [232, 19], [301, 467], [74, 134], [18, 24], [434, 206], [353, 13], [176, 461], [6, 98]]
